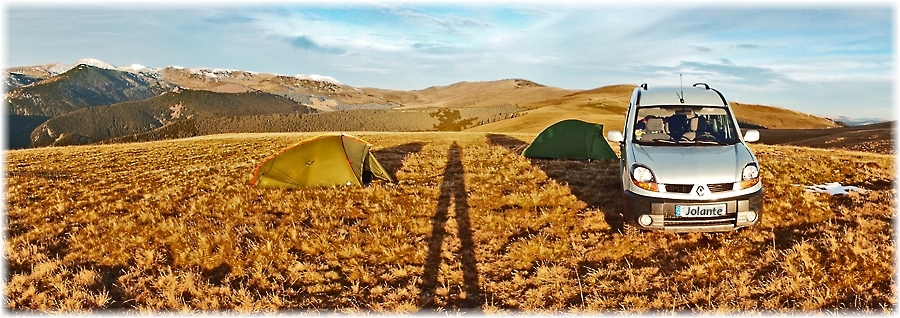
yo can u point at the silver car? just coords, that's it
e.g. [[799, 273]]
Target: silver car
[[685, 166]]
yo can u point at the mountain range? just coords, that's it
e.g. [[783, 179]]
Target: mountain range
[[92, 101]]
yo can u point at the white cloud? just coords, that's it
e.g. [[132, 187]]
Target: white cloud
[[451, 24], [402, 30]]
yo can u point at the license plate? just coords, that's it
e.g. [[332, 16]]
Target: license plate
[[699, 211]]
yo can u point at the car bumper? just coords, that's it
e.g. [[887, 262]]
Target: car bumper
[[740, 212]]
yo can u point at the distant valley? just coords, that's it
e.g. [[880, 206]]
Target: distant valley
[[94, 102]]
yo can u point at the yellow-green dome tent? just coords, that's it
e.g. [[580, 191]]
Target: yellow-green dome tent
[[329, 160]]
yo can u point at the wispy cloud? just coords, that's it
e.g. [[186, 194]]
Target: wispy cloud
[[449, 23], [384, 29], [304, 42], [746, 75], [722, 71], [356, 69], [228, 17]]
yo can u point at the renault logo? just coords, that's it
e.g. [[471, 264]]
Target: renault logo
[[701, 190]]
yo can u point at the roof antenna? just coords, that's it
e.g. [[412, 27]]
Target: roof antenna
[[681, 82]]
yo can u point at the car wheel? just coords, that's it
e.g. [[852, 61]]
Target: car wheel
[[628, 229]]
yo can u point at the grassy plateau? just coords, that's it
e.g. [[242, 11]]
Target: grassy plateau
[[470, 226]]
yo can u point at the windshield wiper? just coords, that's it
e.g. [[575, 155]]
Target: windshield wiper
[[670, 141], [682, 142], [709, 142]]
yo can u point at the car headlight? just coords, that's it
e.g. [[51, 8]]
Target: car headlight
[[643, 178], [749, 176]]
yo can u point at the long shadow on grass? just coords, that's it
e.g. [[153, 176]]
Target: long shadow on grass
[[595, 183], [514, 145], [392, 158], [453, 193]]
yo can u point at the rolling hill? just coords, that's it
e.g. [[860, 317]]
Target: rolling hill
[[778, 118], [95, 124], [875, 138], [605, 105], [80, 87], [19, 128], [14, 80], [591, 105], [329, 95], [31, 74], [372, 120], [516, 92], [314, 94]]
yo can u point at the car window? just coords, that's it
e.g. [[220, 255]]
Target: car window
[[680, 125]]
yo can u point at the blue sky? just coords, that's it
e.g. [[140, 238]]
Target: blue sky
[[832, 60]]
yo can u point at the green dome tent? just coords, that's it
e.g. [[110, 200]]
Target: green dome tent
[[329, 160], [571, 139]]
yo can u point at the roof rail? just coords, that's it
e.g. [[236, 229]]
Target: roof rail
[[704, 85], [644, 86]]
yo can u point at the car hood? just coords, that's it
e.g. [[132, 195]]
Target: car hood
[[694, 164]]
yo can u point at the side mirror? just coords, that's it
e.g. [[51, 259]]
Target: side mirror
[[615, 135], [751, 136]]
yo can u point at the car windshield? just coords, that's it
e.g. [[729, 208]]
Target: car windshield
[[684, 125]]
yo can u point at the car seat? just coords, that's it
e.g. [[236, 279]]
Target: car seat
[[696, 127], [655, 130]]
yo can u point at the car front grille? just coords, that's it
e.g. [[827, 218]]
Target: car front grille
[[686, 188], [720, 187], [679, 188]]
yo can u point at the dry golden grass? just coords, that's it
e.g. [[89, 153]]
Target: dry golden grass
[[470, 226], [514, 92], [778, 118], [605, 105], [873, 138]]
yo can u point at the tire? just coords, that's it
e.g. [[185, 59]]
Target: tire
[[630, 230]]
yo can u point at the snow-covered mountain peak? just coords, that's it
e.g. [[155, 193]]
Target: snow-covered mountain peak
[[56, 68], [319, 78], [135, 68], [215, 74], [96, 63]]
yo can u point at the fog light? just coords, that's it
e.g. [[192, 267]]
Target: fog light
[[751, 216], [645, 220]]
